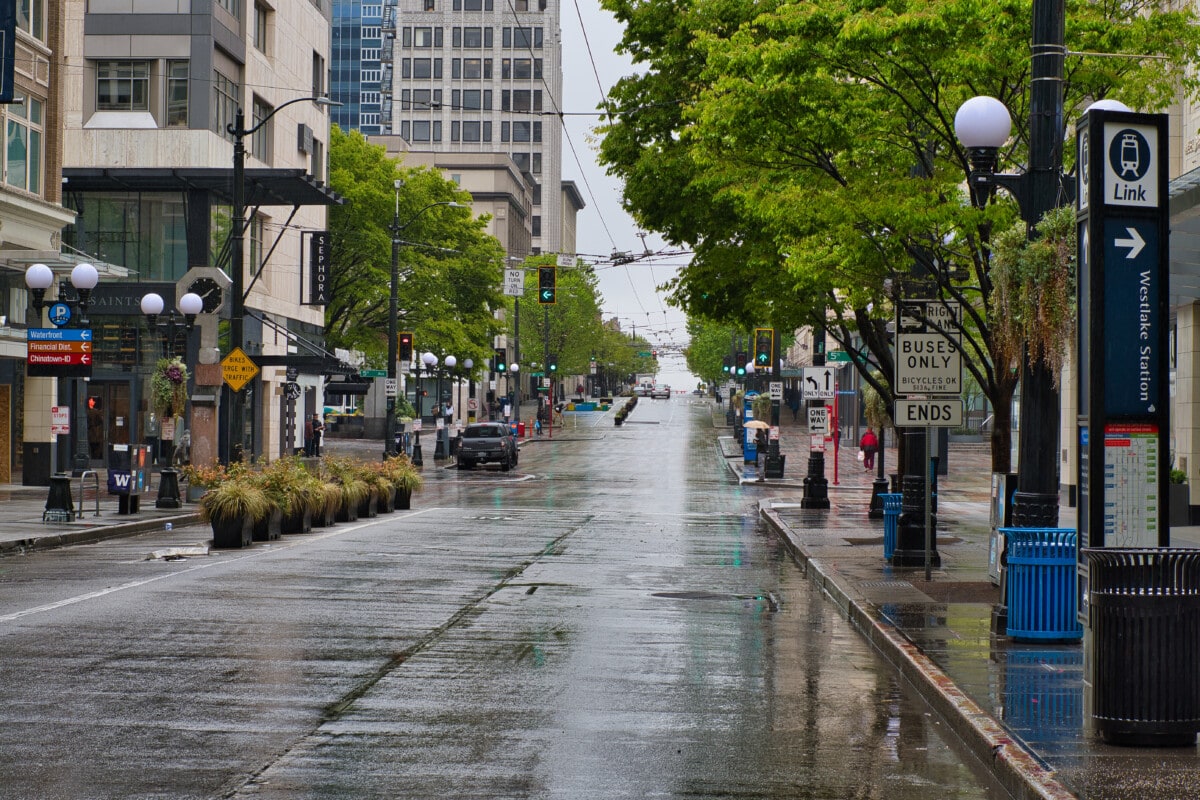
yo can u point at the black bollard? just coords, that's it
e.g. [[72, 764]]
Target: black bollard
[[816, 487], [168, 489]]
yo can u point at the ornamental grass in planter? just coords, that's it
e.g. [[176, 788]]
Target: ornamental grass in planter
[[347, 475], [232, 508], [404, 479]]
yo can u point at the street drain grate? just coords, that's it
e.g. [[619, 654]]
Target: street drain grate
[[886, 585]]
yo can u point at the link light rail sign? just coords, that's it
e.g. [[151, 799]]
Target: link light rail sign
[[1123, 428]]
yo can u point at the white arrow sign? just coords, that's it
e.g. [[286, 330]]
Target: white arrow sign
[[1135, 243]]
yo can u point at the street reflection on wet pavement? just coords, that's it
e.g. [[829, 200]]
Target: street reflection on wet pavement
[[610, 620]]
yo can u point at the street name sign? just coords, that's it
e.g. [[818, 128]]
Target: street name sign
[[837, 357], [929, 413], [373, 373], [237, 369]]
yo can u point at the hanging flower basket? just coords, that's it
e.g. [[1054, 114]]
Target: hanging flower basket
[[168, 387]]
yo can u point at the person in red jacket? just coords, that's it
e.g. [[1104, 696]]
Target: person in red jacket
[[869, 444]]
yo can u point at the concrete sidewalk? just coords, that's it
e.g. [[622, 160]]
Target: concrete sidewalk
[[1020, 708]]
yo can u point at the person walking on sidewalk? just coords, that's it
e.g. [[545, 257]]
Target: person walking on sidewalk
[[869, 444]]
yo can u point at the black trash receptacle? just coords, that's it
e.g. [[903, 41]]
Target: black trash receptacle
[[1145, 620]]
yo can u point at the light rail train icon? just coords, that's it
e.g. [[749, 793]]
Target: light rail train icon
[[1131, 161]]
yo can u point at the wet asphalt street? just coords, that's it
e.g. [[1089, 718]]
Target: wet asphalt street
[[609, 620]]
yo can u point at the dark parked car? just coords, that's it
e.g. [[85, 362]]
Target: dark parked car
[[487, 441]]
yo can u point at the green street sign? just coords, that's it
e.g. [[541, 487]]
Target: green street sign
[[644, 354], [373, 373], [837, 357]]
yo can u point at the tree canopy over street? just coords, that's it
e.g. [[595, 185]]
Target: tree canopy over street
[[806, 152], [450, 267]]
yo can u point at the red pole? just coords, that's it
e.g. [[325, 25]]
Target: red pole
[[837, 437]]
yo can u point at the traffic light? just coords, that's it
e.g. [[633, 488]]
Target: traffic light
[[406, 347], [552, 363], [94, 403], [739, 362], [726, 364], [654, 354], [500, 362], [547, 285], [764, 344]]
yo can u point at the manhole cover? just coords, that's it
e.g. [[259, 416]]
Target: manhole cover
[[886, 585]]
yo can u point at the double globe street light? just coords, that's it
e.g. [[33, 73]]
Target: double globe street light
[[84, 277]]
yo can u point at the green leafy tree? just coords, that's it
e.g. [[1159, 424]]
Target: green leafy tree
[[449, 266], [806, 151]]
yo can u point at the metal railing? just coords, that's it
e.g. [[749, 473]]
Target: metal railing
[[96, 477]]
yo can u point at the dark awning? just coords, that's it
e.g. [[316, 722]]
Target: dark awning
[[264, 187]]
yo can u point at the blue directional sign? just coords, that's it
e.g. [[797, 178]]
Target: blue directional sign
[[60, 314], [58, 334], [1131, 320]]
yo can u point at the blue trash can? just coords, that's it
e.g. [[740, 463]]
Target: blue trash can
[[892, 505], [1042, 597]]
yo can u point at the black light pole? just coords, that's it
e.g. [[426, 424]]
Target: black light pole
[[1037, 190], [389, 428], [237, 301], [84, 278]]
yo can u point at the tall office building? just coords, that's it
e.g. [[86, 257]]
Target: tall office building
[[355, 69], [461, 76]]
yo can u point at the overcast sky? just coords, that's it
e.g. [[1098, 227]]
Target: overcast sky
[[603, 227]]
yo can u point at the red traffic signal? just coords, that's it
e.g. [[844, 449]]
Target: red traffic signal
[[406, 346]]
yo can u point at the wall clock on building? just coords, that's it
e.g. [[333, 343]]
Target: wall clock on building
[[210, 293]]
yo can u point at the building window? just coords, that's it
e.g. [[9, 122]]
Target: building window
[[487, 131], [226, 94], [370, 31], [537, 131], [23, 166], [472, 100], [537, 194], [372, 12], [234, 7], [371, 98], [317, 165], [522, 38], [122, 86], [318, 74], [370, 54], [472, 131], [260, 143], [504, 131], [535, 225], [472, 5], [177, 94], [261, 14], [421, 130], [522, 131], [521, 68], [256, 231], [471, 68], [422, 37], [521, 160], [371, 76], [31, 18], [537, 164]]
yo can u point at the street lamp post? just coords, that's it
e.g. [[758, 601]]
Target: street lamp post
[[514, 371], [982, 125], [84, 278], [190, 304], [237, 301], [389, 432]]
